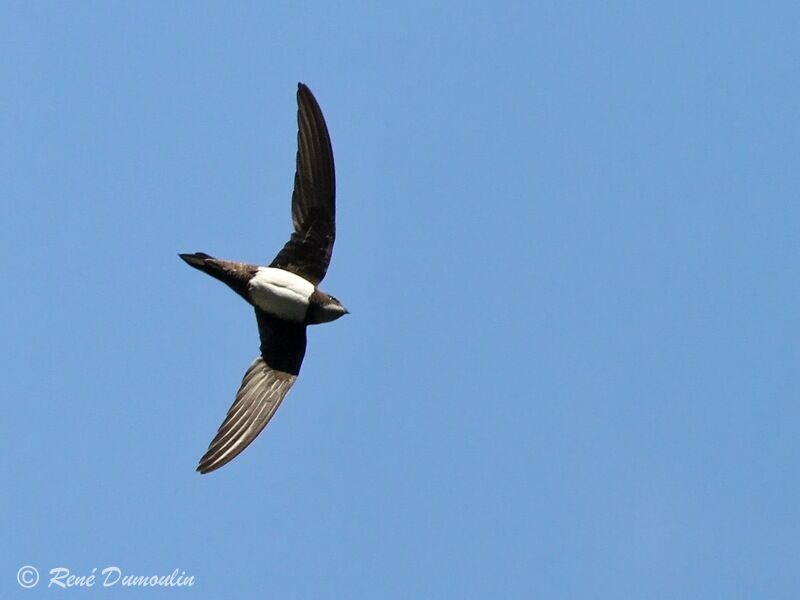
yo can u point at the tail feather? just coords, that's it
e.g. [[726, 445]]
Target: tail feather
[[197, 259], [234, 274]]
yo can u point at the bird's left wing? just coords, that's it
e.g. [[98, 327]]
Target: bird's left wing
[[264, 386], [308, 251]]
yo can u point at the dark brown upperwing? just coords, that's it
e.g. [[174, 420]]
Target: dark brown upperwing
[[308, 251], [283, 343], [268, 379]]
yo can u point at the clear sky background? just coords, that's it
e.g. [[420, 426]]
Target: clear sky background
[[568, 237]]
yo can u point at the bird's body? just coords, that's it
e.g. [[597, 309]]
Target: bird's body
[[281, 294], [285, 294]]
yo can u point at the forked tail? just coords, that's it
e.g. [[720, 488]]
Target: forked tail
[[234, 274]]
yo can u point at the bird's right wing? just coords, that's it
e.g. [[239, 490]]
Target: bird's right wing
[[264, 386]]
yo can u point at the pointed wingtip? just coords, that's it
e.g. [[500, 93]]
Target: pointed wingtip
[[206, 467], [303, 90], [207, 463], [203, 466]]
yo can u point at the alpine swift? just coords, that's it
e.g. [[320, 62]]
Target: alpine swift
[[286, 294]]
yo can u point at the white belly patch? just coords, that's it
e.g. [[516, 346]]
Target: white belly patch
[[281, 293]]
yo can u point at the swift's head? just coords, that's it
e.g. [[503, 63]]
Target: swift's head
[[324, 308]]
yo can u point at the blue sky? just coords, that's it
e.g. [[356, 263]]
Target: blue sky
[[568, 239]]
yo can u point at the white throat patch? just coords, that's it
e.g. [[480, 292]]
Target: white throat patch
[[280, 293]]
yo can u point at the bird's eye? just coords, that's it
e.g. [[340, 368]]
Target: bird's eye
[[334, 299]]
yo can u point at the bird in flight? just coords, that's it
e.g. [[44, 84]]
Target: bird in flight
[[286, 294]]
